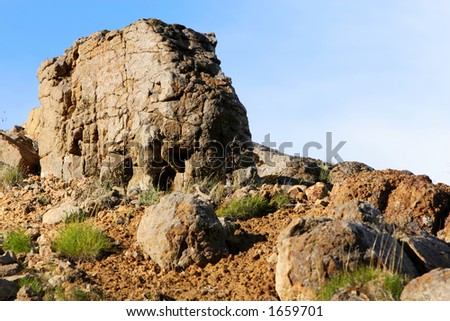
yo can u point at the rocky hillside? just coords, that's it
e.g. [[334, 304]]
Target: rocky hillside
[[136, 179]]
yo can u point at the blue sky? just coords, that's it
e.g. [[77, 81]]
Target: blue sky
[[374, 73]]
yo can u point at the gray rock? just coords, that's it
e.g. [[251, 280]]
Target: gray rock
[[432, 286], [285, 169], [427, 251], [245, 176], [311, 251], [355, 210], [182, 230], [8, 290]]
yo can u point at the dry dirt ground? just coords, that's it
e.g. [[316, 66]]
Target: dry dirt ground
[[248, 273]]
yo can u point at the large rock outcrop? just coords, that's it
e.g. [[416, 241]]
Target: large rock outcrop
[[146, 105]]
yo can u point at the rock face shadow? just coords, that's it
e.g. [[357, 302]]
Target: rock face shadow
[[244, 241]]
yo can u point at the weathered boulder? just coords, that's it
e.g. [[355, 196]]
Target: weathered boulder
[[285, 169], [60, 213], [17, 150], [146, 105], [410, 202], [311, 251], [182, 230], [433, 286]]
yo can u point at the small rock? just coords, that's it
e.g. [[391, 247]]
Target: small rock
[[56, 280], [273, 258], [8, 270], [317, 192], [321, 203], [8, 258]]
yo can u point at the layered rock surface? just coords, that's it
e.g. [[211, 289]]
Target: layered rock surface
[[146, 105]]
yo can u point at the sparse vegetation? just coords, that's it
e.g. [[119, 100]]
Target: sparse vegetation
[[253, 206], [33, 282], [279, 200], [11, 176], [245, 208], [77, 216], [73, 293], [81, 241], [149, 197], [42, 200], [17, 241], [375, 283], [324, 174]]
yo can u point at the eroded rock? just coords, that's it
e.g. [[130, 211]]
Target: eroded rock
[[408, 201], [311, 251]]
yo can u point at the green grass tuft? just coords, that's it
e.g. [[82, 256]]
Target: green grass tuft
[[75, 216], [33, 282], [324, 175], [245, 208], [149, 197], [42, 200], [17, 241], [376, 283], [81, 241], [11, 176], [280, 200]]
